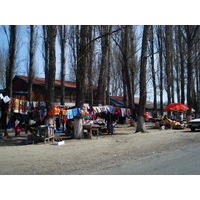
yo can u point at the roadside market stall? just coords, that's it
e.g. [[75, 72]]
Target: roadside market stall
[[176, 123], [34, 113]]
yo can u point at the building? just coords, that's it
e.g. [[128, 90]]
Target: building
[[118, 101], [20, 89]]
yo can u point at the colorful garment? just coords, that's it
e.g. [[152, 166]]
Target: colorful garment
[[69, 114], [75, 112], [16, 105]]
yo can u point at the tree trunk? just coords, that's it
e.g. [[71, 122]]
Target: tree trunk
[[126, 34], [10, 70], [31, 63], [80, 77], [51, 33], [62, 31], [160, 48], [182, 71], [191, 32], [81, 67], [101, 95], [78, 128], [168, 64], [46, 59], [153, 71], [90, 58], [11, 62], [141, 123], [108, 70], [197, 72]]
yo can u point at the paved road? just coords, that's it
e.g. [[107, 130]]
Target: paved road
[[178, 162]]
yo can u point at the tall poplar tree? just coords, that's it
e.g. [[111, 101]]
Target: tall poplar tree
[[143, 93], [50, 78], [63, 37], [31, 63], [81, 41], [10, 67], [11, 59]]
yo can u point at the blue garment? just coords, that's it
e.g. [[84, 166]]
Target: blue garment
[[69, 114], [110, 109], [75, 111]]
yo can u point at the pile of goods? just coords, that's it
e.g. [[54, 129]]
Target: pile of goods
[[178, 125], [58, 140]]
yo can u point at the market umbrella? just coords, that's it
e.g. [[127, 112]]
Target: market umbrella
[[176, 106]]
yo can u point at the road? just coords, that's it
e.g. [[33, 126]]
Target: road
[[178, 162], [155, 152]]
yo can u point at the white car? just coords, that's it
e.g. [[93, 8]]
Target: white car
[[194, 124]]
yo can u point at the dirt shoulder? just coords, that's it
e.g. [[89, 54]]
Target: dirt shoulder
[[90, 156]]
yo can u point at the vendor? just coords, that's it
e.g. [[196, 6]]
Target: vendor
[[110, 122], [181, 117], [69, 127], [166, 121], [17, 123]]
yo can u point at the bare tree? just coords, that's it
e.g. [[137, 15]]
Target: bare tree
[[177, 65], [168, 67], [11, 60], [160, 50], [128, 63], [89, 63], [10, 67], [141, 123], [46, 58], [71, 41], [116, 78], [182, 63], [50, 78], [81, 41], [101, 95], [153, 69], [62, 34], [197, 72], [126, 39], [3, 55], [190, 37], [31, 63]]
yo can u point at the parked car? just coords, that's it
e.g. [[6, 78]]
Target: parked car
[[194, 124]]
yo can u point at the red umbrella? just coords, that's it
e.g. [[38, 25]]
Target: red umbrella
[[176, 106]]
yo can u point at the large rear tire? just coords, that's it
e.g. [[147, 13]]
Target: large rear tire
[[192, 129]]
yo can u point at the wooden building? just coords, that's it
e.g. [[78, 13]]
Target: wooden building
[[20, 89]]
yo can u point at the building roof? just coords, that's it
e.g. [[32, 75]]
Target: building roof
[[119, 101], [41, 81], [116, 102]]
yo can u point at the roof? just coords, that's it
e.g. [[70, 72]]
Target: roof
[[119, 100], [15, 92], [41, 81], [116, 102]]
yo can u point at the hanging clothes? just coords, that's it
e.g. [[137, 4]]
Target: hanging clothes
[[110, 109], [75, 111], [16, 105], [70, 114], [123, 111]]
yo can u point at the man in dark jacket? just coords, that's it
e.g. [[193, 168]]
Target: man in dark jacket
[[110, 118]]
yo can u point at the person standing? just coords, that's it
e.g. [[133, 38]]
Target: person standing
[[181, 117], [110, 120]]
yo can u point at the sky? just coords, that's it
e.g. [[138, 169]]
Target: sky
[[23, 54]]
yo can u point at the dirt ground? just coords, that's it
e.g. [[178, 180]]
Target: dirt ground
[[89, 156]]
